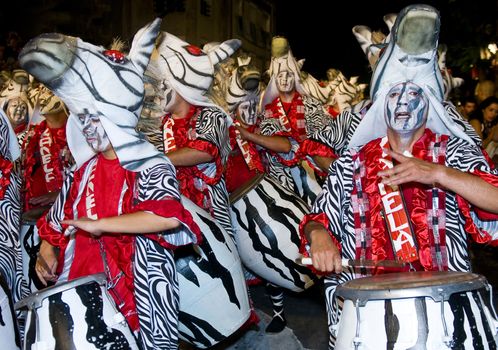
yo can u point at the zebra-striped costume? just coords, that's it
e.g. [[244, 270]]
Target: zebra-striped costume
[[337, 203], [208, 132], [11, 276], [294, 178], [154, 275]]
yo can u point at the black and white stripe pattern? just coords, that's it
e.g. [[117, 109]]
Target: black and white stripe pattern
[[299, 179], [212, 126], [335, 202]]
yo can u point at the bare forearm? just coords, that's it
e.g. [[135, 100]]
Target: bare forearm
[[323, 162], [278, 144], [311, 229], [188, 157], [136, 223], [471, 187]]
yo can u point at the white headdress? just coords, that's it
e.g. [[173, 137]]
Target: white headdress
[[282, 59], [410, 56]]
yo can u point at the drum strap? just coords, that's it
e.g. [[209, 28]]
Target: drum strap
[[251, 160], [396, 216]]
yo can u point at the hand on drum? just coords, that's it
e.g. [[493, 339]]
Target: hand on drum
[[46, 263], [46, 199], [85, 224], [324, 253]]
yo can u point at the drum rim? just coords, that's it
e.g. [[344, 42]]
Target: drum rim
[[34, 300], [242, 191], [435, 292]]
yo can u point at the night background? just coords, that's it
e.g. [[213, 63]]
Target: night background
[[319, 31]]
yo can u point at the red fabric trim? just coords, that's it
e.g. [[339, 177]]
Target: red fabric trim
[[208, 147], [492, 180], [324, 221], [32, 153], [169, 208], [5, 170], [314, 148]]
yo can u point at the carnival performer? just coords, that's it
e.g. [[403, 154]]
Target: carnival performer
[[10, 212], [195, 130], [46, 154], [338, 132], [245, 166], [119, 211], [409, 159], [290, 116]]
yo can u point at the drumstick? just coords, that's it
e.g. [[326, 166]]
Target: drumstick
[[358, 263]]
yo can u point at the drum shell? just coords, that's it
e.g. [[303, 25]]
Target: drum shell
[[78, 313], [266, 225], [8, 331], [401, 322], [214, 301]]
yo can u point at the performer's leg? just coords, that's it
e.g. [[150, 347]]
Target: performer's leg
[[278, 321]]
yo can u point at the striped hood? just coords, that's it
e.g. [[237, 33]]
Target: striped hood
[[91, 80], [411, 55]]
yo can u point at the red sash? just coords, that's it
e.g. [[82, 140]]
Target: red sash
[[396, 217]]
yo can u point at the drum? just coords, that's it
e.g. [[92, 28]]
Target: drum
[[266, 218], [30, 245], [78, 314], [307, 184], [9, 333], [214, 301], [417, 310]]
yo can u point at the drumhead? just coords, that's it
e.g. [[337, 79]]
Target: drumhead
[[438, 285], [34, 300]]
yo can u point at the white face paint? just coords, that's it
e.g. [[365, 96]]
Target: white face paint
[[169, 96], [406, 108], [246, 112], [285, 81], [17, 111], [94, 133]]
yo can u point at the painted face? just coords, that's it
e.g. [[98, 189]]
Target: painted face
[[490, 112], [406, 108], [94, 132], [285, 81], [169, 96], [17, 111], [246, 112]]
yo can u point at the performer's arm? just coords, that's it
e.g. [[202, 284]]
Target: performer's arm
[[275, 143], [324, 253], [188, 157], [471, 187], [133, 223]]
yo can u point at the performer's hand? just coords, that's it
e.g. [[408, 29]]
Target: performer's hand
[[324, 253], [86, 224], [46, 263], [46, 199], [410, 170], [244, 133]]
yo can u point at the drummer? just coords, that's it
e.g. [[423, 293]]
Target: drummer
[[10, 182], [290, 116], [195, 130], [46, 153], [121, 204], [410, 189]]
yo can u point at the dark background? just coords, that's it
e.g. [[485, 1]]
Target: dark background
[[321, 32], [318, 30]]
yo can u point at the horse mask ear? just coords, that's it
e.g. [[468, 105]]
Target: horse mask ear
[[143, 44]]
